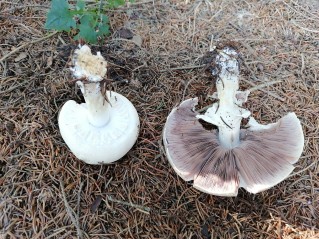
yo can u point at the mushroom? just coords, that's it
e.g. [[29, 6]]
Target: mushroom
[[219, 161], [103, 129]]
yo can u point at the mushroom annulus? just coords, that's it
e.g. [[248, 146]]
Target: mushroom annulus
[[105, 127], [220, 161]]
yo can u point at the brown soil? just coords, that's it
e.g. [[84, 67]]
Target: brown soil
[[45, 192]]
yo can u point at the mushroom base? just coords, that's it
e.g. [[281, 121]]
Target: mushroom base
[[99, 145]]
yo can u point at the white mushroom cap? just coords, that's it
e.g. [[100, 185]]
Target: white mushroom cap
[[264, 157]]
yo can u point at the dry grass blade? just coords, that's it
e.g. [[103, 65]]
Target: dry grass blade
[[142, 208], [73, 216], [26, 44]]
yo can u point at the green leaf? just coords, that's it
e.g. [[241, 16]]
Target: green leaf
[[87, 29], [59, 17], [115, 3], [104, 19], [87, 33], [103, 30], [80, 5]]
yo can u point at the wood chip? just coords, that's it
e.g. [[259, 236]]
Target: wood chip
[[124, 33], [49, 61], [96, 204], [137, 40], [20, 57]]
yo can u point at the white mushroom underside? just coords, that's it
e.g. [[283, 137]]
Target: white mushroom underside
[[263, 158], [99, 145]]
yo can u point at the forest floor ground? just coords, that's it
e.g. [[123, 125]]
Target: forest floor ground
[[45, 192]]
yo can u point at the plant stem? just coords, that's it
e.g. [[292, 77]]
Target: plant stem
[[101, 6]]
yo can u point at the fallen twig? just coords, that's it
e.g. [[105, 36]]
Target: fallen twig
[[258, 87], [304, 28], [26, 44], [79, 200], [269, 93], [183, 68], [23, 7], [304, 169], [70, 212], [142, 208], [186, 86]]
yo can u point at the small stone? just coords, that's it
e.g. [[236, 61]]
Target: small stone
[[260, 67]]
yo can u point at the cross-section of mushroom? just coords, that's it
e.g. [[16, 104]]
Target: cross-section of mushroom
[[220, 161]]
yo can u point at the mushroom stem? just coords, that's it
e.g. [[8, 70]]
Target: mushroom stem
[[229, 138], [97, 106], [227, 114], [92, 68]]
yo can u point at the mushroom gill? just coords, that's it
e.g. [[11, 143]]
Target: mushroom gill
[[263, 158]]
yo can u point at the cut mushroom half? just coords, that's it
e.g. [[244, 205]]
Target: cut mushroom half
[[221, 161]]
